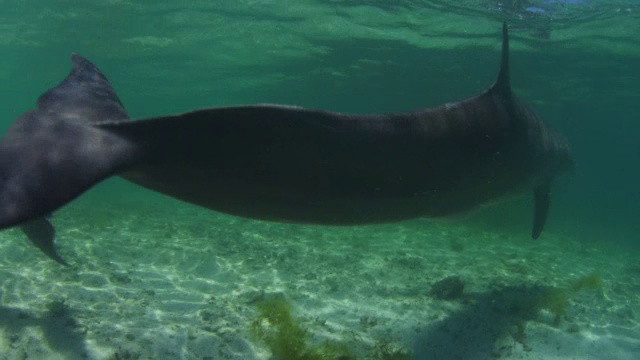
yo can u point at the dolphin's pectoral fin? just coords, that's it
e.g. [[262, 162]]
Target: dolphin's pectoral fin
[[41, 233], [542, 200]]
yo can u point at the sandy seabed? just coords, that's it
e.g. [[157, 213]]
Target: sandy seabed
[[155, 281]]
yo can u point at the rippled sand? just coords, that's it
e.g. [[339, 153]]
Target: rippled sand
[[160, 279]]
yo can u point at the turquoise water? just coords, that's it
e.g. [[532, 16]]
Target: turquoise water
[[156, 278]]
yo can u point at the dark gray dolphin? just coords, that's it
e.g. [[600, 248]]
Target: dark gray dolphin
[[279, 163]]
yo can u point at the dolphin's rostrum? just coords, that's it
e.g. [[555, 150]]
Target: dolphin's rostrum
[[278, 163]]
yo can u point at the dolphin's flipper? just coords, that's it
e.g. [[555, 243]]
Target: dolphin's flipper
[[542, 200], [42, 234]]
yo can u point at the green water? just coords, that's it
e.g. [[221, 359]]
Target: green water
[[576, 62]]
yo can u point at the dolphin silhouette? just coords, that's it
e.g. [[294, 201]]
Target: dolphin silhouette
[[279, 163]]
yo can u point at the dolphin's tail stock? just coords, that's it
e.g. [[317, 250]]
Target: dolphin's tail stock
[[51, 154]]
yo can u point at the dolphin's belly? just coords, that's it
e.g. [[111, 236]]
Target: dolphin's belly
[[310, 209], [320, 198]]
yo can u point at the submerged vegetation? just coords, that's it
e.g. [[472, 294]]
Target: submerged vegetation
[[556, 300], [490, 324], [287, 339], [285, 336], [523, 303]]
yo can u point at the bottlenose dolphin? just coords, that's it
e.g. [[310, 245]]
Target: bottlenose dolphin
[[279, 163]]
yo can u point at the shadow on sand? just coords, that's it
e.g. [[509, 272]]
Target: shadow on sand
[[476, 331], [60, 330]]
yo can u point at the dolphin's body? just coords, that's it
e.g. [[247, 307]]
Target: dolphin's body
[[278, 163]]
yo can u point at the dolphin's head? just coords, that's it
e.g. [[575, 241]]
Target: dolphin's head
[[561, 158], [553, 155], [545, 154], [548, 151]]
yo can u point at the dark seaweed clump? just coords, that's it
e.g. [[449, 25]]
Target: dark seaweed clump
[[448, 288]]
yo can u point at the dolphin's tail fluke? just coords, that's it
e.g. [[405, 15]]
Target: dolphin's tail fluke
[[54, 152]]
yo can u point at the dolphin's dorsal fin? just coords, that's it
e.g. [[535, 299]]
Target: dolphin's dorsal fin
[[503, 82]]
